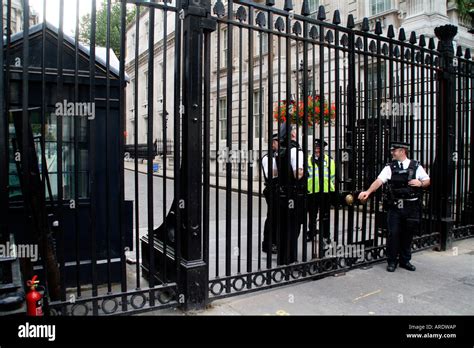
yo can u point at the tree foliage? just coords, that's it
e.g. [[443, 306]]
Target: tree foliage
[[465, 8], [101, 26]]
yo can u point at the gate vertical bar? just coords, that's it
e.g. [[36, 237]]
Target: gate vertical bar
[[271, 207], [177, 132], [350, 135], [121, 188], [150, 153], [250, 148], [228, 169], [76, 124], [92, 162], [195, 278], [305, 12], [445, 132], [107, 166], [25, 163], [3, 142], [469, 207], [135, 144]]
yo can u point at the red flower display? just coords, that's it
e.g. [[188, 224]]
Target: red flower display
[[296, 111]]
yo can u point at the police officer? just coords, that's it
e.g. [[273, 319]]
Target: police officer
[[316, 198], [405, 179], [292, 187], [271, 193]]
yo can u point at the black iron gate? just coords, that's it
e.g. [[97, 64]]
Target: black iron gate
[[350, 87], [217, 81]]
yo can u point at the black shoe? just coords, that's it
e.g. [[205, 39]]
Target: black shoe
[[408, 266], [391, 267], [274, 249]]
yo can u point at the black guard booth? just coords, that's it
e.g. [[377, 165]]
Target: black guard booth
[[74, 239]]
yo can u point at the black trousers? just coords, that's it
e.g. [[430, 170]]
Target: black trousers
[[270, 226], [403, 223], [290, 219], [315, 202]]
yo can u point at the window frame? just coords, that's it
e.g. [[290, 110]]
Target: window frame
[[387, 5], [222, 119]]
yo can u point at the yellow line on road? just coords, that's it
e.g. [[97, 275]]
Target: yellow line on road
[[367, 295]]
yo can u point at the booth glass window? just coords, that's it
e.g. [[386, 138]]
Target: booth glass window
[[71, 158]]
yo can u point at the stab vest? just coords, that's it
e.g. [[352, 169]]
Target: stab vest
[[287, 176], [398, 184]]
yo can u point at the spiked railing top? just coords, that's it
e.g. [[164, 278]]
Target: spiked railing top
[[431, 44], [305, 8], [336, 18], [467, 54], [365, 24], [401, 35], [321, 13], [288, 5], [390, 32], [350, 22], [422, 42], [378, 28]]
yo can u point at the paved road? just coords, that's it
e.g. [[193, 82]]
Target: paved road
[[443, 284]]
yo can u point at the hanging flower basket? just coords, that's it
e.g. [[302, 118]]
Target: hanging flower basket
[[296, 111]]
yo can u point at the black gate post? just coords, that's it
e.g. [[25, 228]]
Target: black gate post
[[194, 277], [445, 134]]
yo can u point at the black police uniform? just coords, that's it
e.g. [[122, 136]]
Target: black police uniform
[[290, 218], [404, 209], [270, 193]]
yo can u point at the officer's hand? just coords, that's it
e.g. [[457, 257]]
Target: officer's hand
[[363, 196], [415, 183]]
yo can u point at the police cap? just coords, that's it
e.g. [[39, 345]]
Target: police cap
[[317, 143], [399, 145]]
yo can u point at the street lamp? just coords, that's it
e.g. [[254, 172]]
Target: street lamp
[[301, 81]]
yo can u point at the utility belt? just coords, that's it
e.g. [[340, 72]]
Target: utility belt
[[401, 203], [292, 189]]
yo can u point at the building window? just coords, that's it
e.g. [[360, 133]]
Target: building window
[[132, 42], [313, 8], [256, 114], [264, 37], [372, 87], [132, 93], [146, 31], [145, 86], [378, 6], [161, 87], [223, 118], [224, 48]]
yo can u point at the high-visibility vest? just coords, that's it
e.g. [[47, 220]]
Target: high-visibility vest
[[329, 175]]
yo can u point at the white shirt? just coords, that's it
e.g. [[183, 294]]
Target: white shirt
[[292, 161], [386, 173], [265, 166]]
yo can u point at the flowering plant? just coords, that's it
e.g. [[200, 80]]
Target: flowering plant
[[296, 111]]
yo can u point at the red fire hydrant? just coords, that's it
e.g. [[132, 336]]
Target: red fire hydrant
[[34, 299]]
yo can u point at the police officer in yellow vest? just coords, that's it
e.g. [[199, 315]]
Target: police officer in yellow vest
[[317, 199]]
